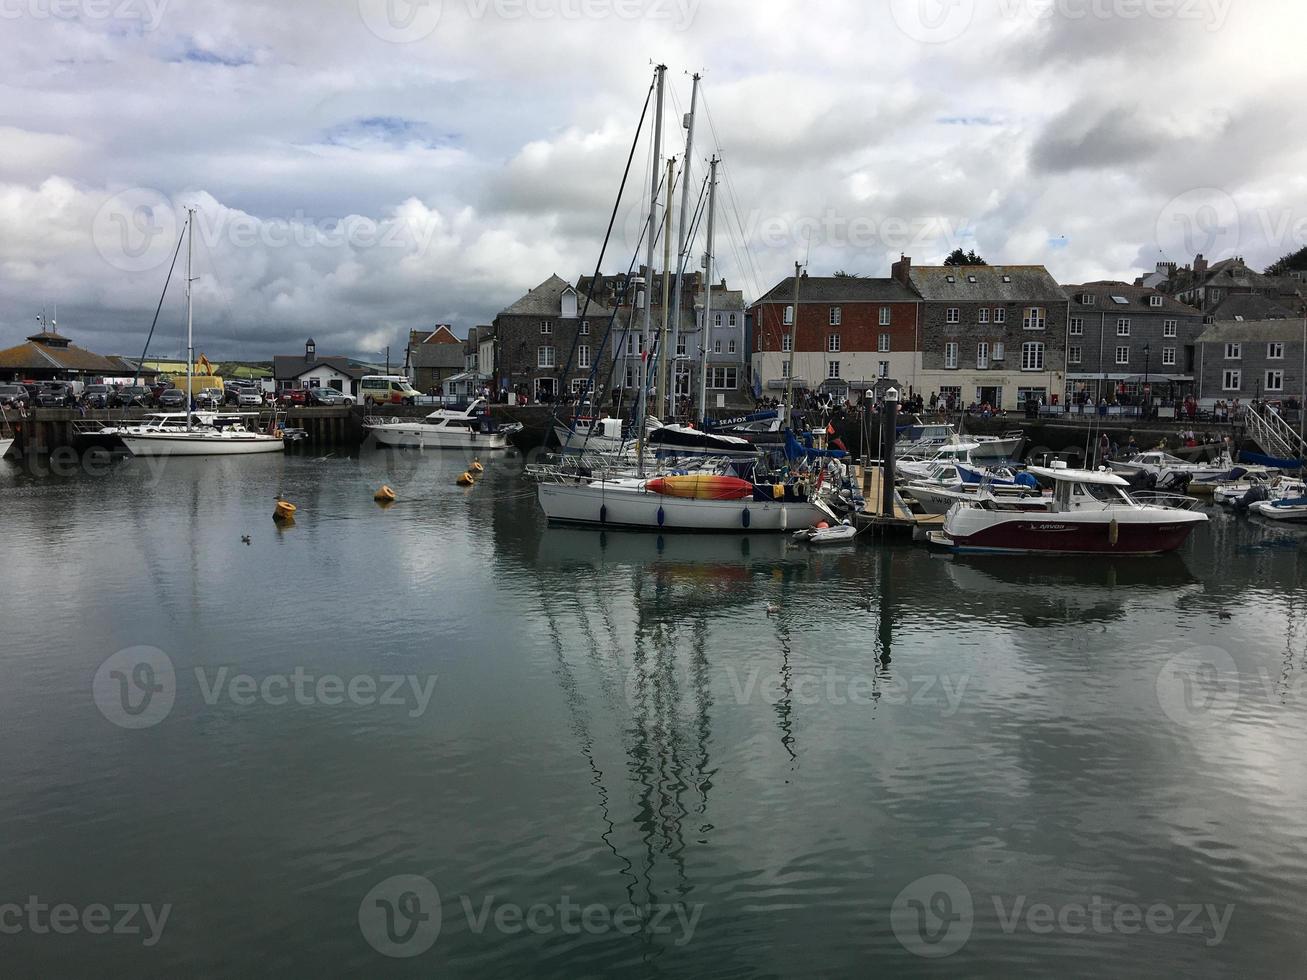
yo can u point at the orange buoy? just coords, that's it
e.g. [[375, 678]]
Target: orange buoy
[[476, 467], [285, 511], [385, 495], [465, 480]]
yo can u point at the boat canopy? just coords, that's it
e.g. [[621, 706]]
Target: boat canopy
[[1099, 477]]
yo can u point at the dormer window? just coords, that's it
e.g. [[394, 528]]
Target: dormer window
[[1155, 300], [1087, 299]]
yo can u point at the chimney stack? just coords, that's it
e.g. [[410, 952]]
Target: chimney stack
[[902, 270]]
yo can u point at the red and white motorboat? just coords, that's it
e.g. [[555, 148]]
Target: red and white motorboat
[[1091, 513]]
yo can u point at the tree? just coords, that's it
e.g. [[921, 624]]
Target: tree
[[959, 257], [1293, 262]]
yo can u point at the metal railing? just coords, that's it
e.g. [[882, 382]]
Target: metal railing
[[1275, 435]]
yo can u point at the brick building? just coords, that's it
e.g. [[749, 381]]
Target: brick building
[[991, 334], [849, 333]]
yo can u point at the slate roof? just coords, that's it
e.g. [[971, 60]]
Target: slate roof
[[292, 366], [839, 289], [543, 300], [1139, 299], [1252, 331], [1250, 306], [1024, 282]]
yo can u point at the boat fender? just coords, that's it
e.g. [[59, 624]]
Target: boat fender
[[603, 513], [662, 516], [778, 491], [465, 480], [745, 518], [1113, 533]]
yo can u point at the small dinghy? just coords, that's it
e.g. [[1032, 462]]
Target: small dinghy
[[824, 534], [1292, 510]]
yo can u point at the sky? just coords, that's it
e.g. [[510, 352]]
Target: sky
[[360, 168]]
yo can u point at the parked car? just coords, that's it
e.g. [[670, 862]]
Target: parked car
[[387, 389], [159, 387], [250, 398], [132, 396], [295, 396], [209, 398], [97, 396], [231, 392], [14, 396], [329, 396], [173, 399], [55, 394]]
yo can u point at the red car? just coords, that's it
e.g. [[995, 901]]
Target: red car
[[294, 396]]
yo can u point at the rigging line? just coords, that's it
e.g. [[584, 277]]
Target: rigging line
[[155, 322], [730, 190], [612, 219]]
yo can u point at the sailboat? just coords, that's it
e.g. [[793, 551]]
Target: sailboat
[[194, 433]]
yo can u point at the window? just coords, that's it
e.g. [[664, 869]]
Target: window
[[545, 357], [984, 315], [951, 357], [884, 316], [585, 328], [1032, 357], [832, 369], [787, 343], [730, 346], [884, 369], [954, 315], [1154, 300], [680, 346], [950, 391], [546, 327], [1123, 355], [1088, 299], [833, 343], [1000, 315], [1123, 328], [982, 356], [716, 346], [951, 278], [1074, 355], [789, 314], [1275, 381], [882, 343], [1168, 357], [630, 344], [583, 356], [785, 370], [1077, 326], [1275, 352], [730, 320], [1232, 380], [1027, 395], [717, 320], [1170, 328], [722, 378], [1233, 352], [1036, 318], [581, 384], [836, 314], [999, 353]]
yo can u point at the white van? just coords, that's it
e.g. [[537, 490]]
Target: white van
[[387, 389]]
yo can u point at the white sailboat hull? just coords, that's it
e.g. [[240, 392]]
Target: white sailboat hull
[[436, 437], [627, 504], [200, 443]]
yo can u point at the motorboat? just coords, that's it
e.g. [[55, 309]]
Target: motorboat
[[682, 440], [1091, 513], [1246, 475], [446, 428], [1171, 469], [934, 499], [924, 440]]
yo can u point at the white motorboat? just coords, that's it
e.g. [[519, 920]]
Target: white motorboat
[[1167, 468], [1091, 514], [935, 499], [1288, 510], [925, 440], [445, 428]]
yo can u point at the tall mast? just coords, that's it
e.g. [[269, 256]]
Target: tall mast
[[664, 353], [791, 330], [190, 343], [647, 328], [707, 292], [681, 257]]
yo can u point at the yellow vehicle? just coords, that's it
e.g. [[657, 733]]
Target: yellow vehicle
[[387, 389]]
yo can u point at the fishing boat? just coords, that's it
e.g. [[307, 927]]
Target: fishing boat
[[1091, 514], [445, 428]]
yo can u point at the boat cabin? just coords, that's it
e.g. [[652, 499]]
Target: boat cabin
[[1085, 489]]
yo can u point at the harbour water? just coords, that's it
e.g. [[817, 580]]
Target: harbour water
[[440, 738]]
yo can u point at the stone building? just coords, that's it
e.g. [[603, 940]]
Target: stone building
[[1250, 359], [542, 346]]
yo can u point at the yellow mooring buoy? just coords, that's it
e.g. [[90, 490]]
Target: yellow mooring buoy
[[384, 496], [476, 467], [285, 511], [465, 480]]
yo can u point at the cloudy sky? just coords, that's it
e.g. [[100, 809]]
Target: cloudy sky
[[360, 167]]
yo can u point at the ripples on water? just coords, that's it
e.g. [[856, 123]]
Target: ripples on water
[[619, 719]]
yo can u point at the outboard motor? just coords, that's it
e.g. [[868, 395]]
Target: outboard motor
[[1254, 495], [1175, 483], [1143, 482]]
